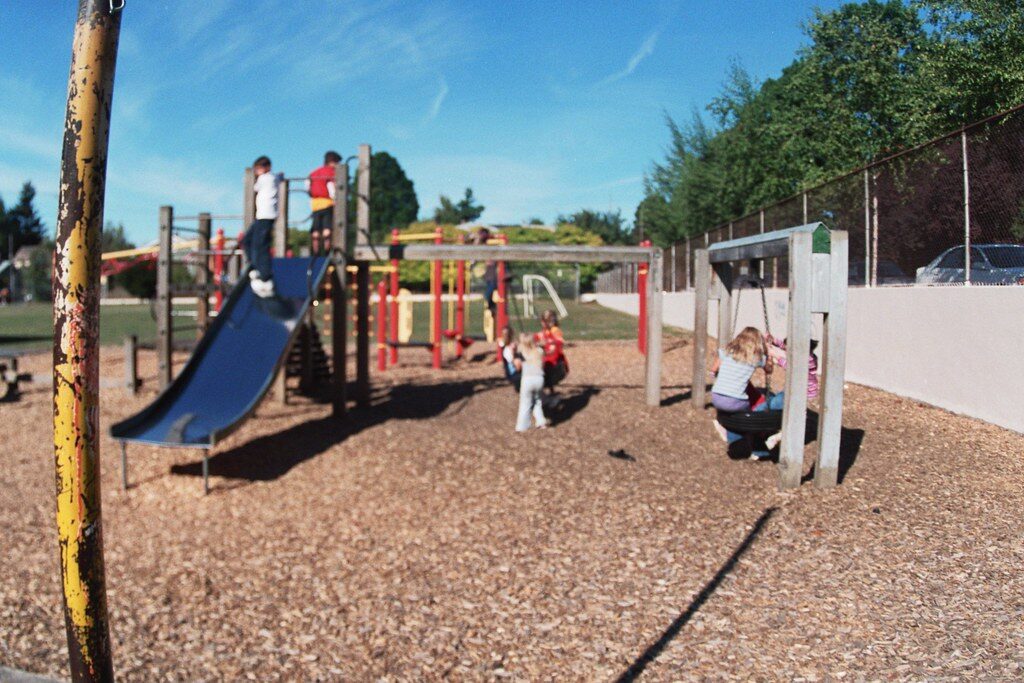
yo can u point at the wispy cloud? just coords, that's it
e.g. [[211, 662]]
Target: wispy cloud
[[435, 105], [14, 140], [645, 50]]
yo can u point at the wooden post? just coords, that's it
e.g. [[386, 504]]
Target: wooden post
[[76, 353], [248, 213], [724, 271], [164, 332], [798, 349], [702, 283], [363, 334], [393, 331], [363, 196], [655, 302], [833, 363], [235, 261], [281, 222], [435, 331], [339, 341], [340, 236], [205, 227], [131, 364]]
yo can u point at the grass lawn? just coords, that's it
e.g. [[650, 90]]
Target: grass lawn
[[29, 327]]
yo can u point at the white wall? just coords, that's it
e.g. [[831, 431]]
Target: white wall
[[959, 348]]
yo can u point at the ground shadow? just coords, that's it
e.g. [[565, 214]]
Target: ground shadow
[[271, 456], [658, 646], [572, 403], [850, 441], [677, 398]]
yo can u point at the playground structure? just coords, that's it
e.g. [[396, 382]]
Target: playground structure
[[818, 266]]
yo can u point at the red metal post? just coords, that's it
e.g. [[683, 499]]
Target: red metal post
[[460, 302], [382, 314], [438, 282], [641, 288], [218, 270], [501, 319], [394, 300]]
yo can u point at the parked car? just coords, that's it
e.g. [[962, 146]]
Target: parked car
[[887, 273], [991, 264]]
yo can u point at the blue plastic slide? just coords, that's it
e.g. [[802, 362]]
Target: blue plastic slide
[[233, 365]]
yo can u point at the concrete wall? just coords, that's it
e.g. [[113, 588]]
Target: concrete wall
[[959, 348]]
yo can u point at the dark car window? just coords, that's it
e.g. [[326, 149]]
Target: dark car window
[[1005, 257], [954, 259], [977, 258]]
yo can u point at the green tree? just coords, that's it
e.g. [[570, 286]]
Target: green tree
[[608, 225], [466, 210], [20, 225], [976, 64], [114, 238], [393, 202]]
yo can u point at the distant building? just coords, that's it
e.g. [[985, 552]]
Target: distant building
[[23, 257]]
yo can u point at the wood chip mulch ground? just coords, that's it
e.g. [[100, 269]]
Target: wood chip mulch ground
[[424, 540]]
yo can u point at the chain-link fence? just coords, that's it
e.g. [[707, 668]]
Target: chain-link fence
[[949, 212]]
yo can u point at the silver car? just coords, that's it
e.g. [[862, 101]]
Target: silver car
[[991, 264]]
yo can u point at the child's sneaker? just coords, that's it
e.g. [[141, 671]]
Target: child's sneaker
[[720, 430], [772, 441], [262, 288], [760, 455]]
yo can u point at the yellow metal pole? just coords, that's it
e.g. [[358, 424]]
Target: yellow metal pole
[[76, 436]]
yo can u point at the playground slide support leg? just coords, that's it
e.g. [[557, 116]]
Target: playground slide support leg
[[76, 335]]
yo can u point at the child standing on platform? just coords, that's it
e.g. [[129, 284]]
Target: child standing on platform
[[256, 242], [321, 189], [531, 368]]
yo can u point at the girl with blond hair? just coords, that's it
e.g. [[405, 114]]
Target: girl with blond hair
[[734, 367], [530, 364]]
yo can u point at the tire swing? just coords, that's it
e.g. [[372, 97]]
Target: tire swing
[[754, 421]]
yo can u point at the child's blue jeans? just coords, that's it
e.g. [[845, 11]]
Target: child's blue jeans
[[256, 245], [774, 402]]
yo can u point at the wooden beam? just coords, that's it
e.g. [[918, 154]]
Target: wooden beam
[[164, 331], [702, 283], [281, 222], [765, 245], [555, 253], [203, 279], [363, 199], [655, 302], [798, 349], [833, 357]]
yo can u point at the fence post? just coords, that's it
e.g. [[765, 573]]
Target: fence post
[[652, 368], [867, 229], [874, 232], [203, 275], [701, 285], [967, 211], [363, 196], [164, 332], [804, 195], [760, 263]]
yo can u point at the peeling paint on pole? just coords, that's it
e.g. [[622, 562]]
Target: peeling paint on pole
[[76, 437]]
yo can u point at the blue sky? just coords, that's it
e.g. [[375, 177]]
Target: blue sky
[[542, 108]]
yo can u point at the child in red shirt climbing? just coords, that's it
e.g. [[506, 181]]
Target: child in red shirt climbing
[[321, 188]]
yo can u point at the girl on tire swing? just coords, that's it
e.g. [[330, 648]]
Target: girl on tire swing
[[733, 392]]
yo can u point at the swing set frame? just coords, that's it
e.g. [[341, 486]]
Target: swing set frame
[[818, 271]]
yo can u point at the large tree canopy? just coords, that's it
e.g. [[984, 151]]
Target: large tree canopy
[[875, 77], [393, 202]]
